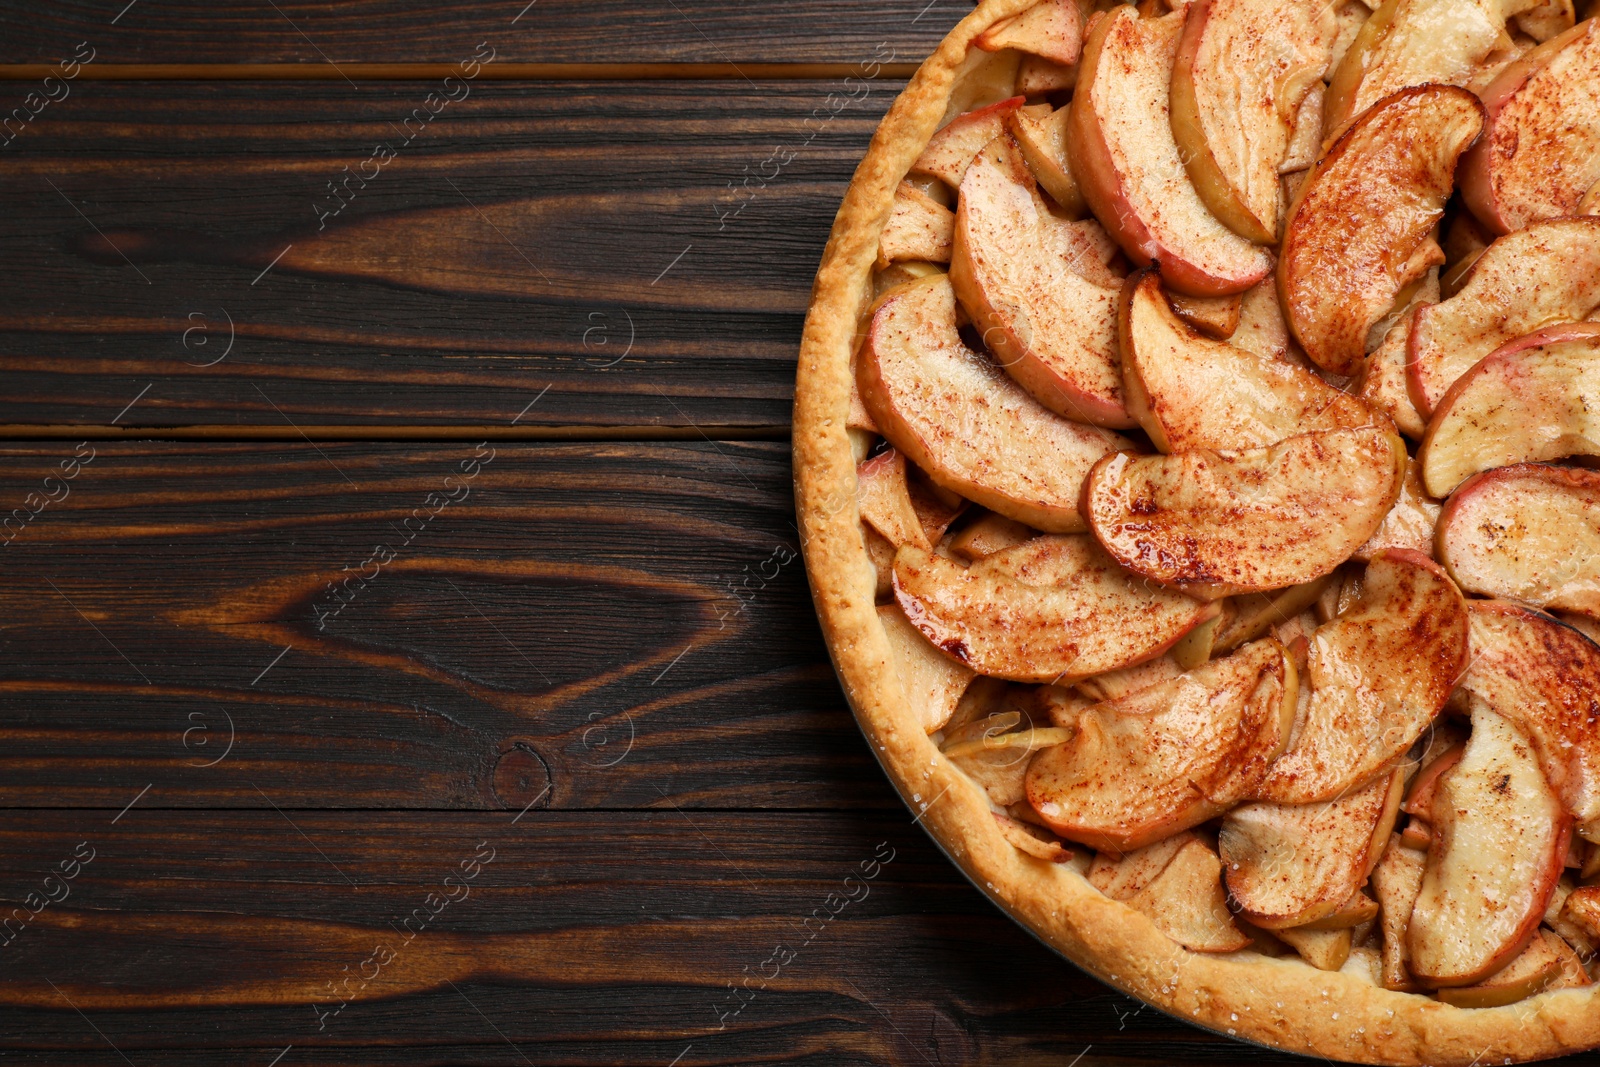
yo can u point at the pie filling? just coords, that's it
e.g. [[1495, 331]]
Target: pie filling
[[1222, 421]]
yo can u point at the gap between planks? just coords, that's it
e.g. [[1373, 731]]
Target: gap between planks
[[380, 434], [436, 71]]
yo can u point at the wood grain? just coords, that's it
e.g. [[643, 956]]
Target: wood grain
[[606, 245], [573, 626], [602, 938], [549, 31]]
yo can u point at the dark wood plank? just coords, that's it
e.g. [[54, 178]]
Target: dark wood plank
[[583, 237], [603, 938], [601, 625], [548, 31]]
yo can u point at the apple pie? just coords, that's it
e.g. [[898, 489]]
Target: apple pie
[[1192, 445]]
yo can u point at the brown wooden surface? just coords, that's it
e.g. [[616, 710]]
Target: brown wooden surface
[[598, 660]]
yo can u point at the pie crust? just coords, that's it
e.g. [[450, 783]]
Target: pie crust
[[1279, 1002]]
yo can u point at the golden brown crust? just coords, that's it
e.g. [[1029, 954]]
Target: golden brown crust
[[1280, 1002]]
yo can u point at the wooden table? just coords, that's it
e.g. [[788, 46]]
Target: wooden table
[[406, 655]]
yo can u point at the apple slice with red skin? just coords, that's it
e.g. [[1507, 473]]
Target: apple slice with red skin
[[1545, 677], [1051, 328], [950, 151], [967, 425], [1540, 152], [1218, 523], [1242, 71], [1379, 673], [1169, 756], [1129, 167], [1050, 608], [1361, 228], [1052, 29], [1295, 864], [1501, 839], [1189, 391], [1545, 275], [1523, 404], [1528, 533]]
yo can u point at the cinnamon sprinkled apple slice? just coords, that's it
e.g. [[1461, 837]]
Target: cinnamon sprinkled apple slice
[[1218, 523], [1168, 756], [1525, 403], [1540, 151], [1360, 230], [1189, 391], [1501, 839], [1129, 166], [972, 429], [1052, 329], [1243, 69], [1542, 276], [1378, 675], [1052, 607], [1528, 533]]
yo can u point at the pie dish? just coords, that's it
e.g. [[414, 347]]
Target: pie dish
[[1188, 441]]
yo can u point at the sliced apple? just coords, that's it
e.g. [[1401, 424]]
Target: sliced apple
[[1186, 902], [1130, 169], [1379, 674], [1326, 950], [1122, 875], [1549, 19], [1041, 133], [1052, 329], [1188, 391], [1051, 608], [1305, 141], [1502, 837], [1531, 972], [1582, 907], [1032, 840], [1396, 880], [933, 683], [1169, 756], [1572, 974], [994, 753], [1410, 524], [1215, 316], [1360, 230], [1528, 533], [1052, 29], [1540, 152], [1382, 380], [919, 228], [1355, 911], [1198, 645], [1037, 76], [1262, 329], [1113, 685], [1425, 786], [1545, 677], [1542, 276], [950, 151], [880, 556], [1525, 403], [884, 500], [1410, 43], [1219, 523], [1242, 71], [989, 535], [1294, 864], [972, 429]]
